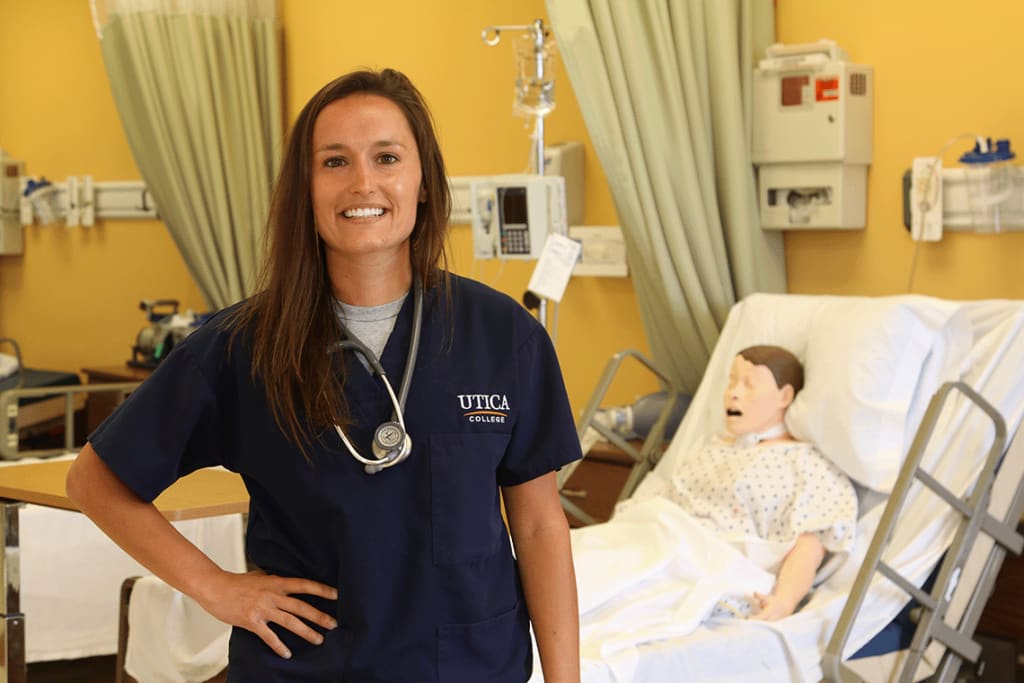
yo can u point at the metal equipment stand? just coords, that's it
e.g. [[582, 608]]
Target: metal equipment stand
[[538, 35], [645, 458]]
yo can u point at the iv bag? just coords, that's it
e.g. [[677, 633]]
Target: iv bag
[[535, 80]]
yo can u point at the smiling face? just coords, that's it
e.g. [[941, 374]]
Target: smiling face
[[753, 401], [366, 183]]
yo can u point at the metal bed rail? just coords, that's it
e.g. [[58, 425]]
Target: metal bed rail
[[974, 519], [645, 457], [9, 406]]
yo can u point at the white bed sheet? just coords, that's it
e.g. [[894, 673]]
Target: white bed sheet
[[791, 649], [71, 576]]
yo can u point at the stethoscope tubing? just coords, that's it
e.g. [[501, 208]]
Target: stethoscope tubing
[[397, 402]]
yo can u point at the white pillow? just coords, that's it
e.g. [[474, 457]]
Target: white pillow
[[871, 365]]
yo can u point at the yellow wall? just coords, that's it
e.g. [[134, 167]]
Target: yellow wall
[[941, 68], [72, 298]]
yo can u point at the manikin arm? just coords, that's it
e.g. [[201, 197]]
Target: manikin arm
[[796, 576]]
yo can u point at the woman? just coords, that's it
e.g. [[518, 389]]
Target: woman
[[376, 562]]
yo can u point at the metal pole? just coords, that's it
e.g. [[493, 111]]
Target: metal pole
[[12, 626], [492, 36], [538, 60]]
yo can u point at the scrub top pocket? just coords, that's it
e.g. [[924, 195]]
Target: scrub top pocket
[[495, 650], [465, 515]]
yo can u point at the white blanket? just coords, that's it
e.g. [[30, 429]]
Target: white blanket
[[657, 569]]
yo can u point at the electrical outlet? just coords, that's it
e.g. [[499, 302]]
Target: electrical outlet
[[926, 199]]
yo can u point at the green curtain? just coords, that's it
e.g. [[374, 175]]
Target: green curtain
[[198, 89], [665, 90]]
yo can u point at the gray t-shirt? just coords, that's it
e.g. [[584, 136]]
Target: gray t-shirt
[[372, 325]]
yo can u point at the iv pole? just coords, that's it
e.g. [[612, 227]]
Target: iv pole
[[538, 33]]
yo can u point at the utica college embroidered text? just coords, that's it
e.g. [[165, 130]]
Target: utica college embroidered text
[[484, 407]]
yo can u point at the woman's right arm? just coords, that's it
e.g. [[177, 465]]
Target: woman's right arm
[[250, 601]]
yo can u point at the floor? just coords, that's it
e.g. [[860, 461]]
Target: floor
[[88, 670]]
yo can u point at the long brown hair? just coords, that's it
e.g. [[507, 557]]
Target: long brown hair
[[291, 321]]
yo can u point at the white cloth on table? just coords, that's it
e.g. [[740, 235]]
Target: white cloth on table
[[71, 576], [170, 638]]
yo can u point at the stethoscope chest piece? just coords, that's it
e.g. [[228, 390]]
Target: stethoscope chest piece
[[391, 443]]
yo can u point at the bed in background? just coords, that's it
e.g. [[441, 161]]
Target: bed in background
[[872, 365], [21, 415], [34, 400]]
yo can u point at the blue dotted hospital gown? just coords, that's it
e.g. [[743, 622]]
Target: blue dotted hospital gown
[[773, 492]]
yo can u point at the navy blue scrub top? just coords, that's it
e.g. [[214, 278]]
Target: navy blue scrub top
[[428, 586]]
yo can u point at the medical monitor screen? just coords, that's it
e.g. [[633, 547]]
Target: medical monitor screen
[[513, 205]]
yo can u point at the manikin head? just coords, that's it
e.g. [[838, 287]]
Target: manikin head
[[762, 383]]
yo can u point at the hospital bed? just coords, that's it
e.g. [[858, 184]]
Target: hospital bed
[[21, 412], [874, 367], [33, 399]]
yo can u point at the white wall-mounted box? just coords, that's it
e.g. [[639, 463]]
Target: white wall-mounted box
[[603, 252], [822, 195], [820, 114], [812, 137]]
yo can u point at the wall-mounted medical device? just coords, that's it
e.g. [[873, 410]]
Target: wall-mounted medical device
[[79, 201], [512, 215], [10, 224], [561, 158], [812, 137], [566, 159], [983, 194]]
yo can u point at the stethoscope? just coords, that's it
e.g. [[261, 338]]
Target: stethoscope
[[391, 441]]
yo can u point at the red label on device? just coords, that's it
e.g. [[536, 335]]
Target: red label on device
[[826, 89]]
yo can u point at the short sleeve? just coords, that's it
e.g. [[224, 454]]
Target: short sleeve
[[166, 428], [825, 503], [544, 437]]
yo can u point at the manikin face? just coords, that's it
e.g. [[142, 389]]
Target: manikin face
[[366, 180], [753, 403]]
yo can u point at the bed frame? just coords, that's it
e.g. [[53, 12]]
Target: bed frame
[[44, 389], [644, 458], [72, 395], [937, 608]]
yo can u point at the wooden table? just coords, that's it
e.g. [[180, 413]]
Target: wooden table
[[205, 493]]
